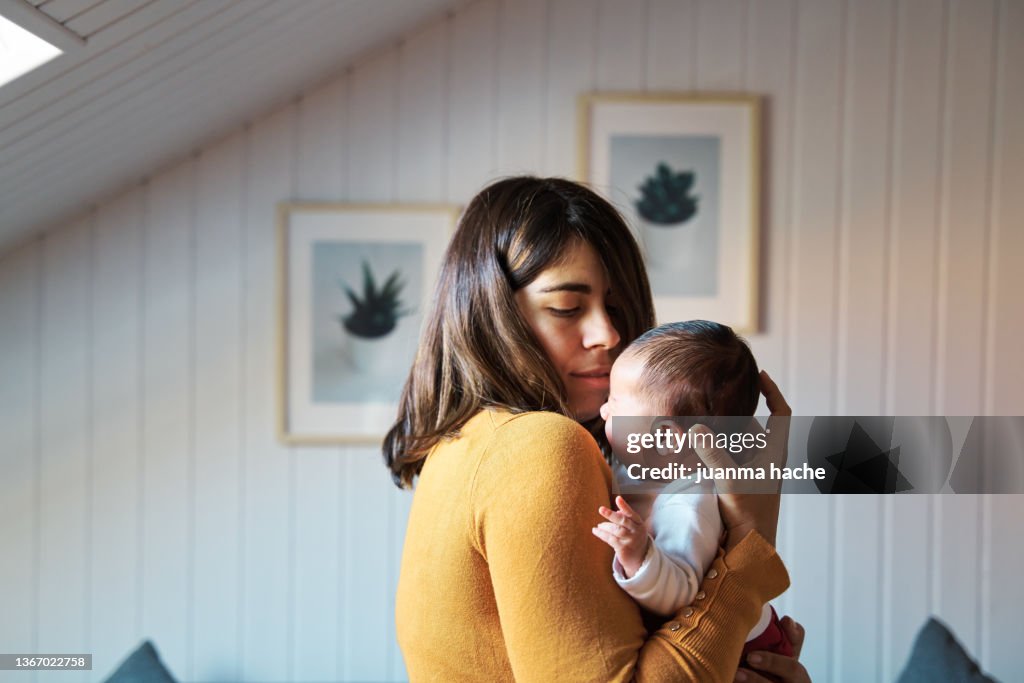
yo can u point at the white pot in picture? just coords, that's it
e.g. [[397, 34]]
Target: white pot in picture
[[372, 356], [669, 246]]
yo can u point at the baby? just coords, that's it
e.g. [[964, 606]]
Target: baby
[[694, 368]]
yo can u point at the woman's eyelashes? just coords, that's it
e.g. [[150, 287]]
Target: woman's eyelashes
[[568, 311]]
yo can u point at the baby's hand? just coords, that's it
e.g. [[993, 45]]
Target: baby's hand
[[625, 533]]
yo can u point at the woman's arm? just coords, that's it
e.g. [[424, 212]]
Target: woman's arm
[[535, 499]]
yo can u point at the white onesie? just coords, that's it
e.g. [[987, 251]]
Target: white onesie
[[686, 528]]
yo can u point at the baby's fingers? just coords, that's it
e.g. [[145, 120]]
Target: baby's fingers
[[619, 532], [627, 510], [618, 518], [611, 540]]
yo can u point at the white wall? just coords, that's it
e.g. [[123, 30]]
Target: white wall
[[144, 494]]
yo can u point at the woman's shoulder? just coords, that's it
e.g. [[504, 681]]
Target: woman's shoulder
[[555, 428], [543, 439]]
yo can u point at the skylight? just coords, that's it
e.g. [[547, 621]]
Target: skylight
[[21, 51]]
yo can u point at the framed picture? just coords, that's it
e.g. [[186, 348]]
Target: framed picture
[[684, 171], [354, 287]]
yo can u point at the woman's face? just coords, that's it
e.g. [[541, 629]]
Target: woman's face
[[567, 307]]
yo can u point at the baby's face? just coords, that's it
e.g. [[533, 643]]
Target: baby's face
[[625, 397]]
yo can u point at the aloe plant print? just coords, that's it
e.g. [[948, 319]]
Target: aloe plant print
[[377, 311], [666, 197]]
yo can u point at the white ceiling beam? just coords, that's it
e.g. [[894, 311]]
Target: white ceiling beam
[[25, 15]]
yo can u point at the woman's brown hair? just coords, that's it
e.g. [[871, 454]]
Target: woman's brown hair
[[476, 350]]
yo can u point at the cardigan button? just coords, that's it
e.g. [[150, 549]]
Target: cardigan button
[[712, 573], [674, 626], [688, 613], [701, 595]]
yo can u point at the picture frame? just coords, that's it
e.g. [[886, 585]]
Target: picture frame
[[354, 287], [684, 171]]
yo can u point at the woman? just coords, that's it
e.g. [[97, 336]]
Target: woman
[[501, 578]]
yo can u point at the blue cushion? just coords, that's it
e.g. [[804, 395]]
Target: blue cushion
[[142, 666], [937, 657]]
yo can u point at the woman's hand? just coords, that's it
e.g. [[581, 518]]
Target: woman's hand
[[786, 669], [626, 533], [748, 505]]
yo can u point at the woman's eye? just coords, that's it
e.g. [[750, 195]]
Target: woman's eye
[[564, 312]]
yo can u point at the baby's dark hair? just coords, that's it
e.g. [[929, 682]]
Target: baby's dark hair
[[696, 368]]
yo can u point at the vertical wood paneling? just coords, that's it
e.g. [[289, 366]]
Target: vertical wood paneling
[[317, 564], [400, 502], [422, 165], [860, 338], [1003, 631], [265, 609], [817, 111], [807, 549], [370, 626], [863, 229], [472, 100], [166, 416], [116, 418], [1005, 372], [770, 72], [957, 566], [964, 225], [818, 127], [372, 146], [670, 52], [346, 653], [913, 244], [321, 168], [63, 462], [369, 620], [422, 115], [818, 130], [720, 44], [858, 601], [218, 352], [315, 559], [20, 298], [906, 576], [965, 208], [520, 128], [569, 71], [624, 25]]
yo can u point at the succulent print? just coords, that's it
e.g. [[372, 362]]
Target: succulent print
[[378, 310], [666, 197]]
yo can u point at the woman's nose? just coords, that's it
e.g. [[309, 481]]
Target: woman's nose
[[600, 332]]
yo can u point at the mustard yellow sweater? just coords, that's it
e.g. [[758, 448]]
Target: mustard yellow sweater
[[502, 580]]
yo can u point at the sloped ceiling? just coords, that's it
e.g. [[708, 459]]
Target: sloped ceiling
[[145, 82]]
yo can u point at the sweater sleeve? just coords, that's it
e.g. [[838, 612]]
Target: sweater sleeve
[[662, 585], [535, 497]]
